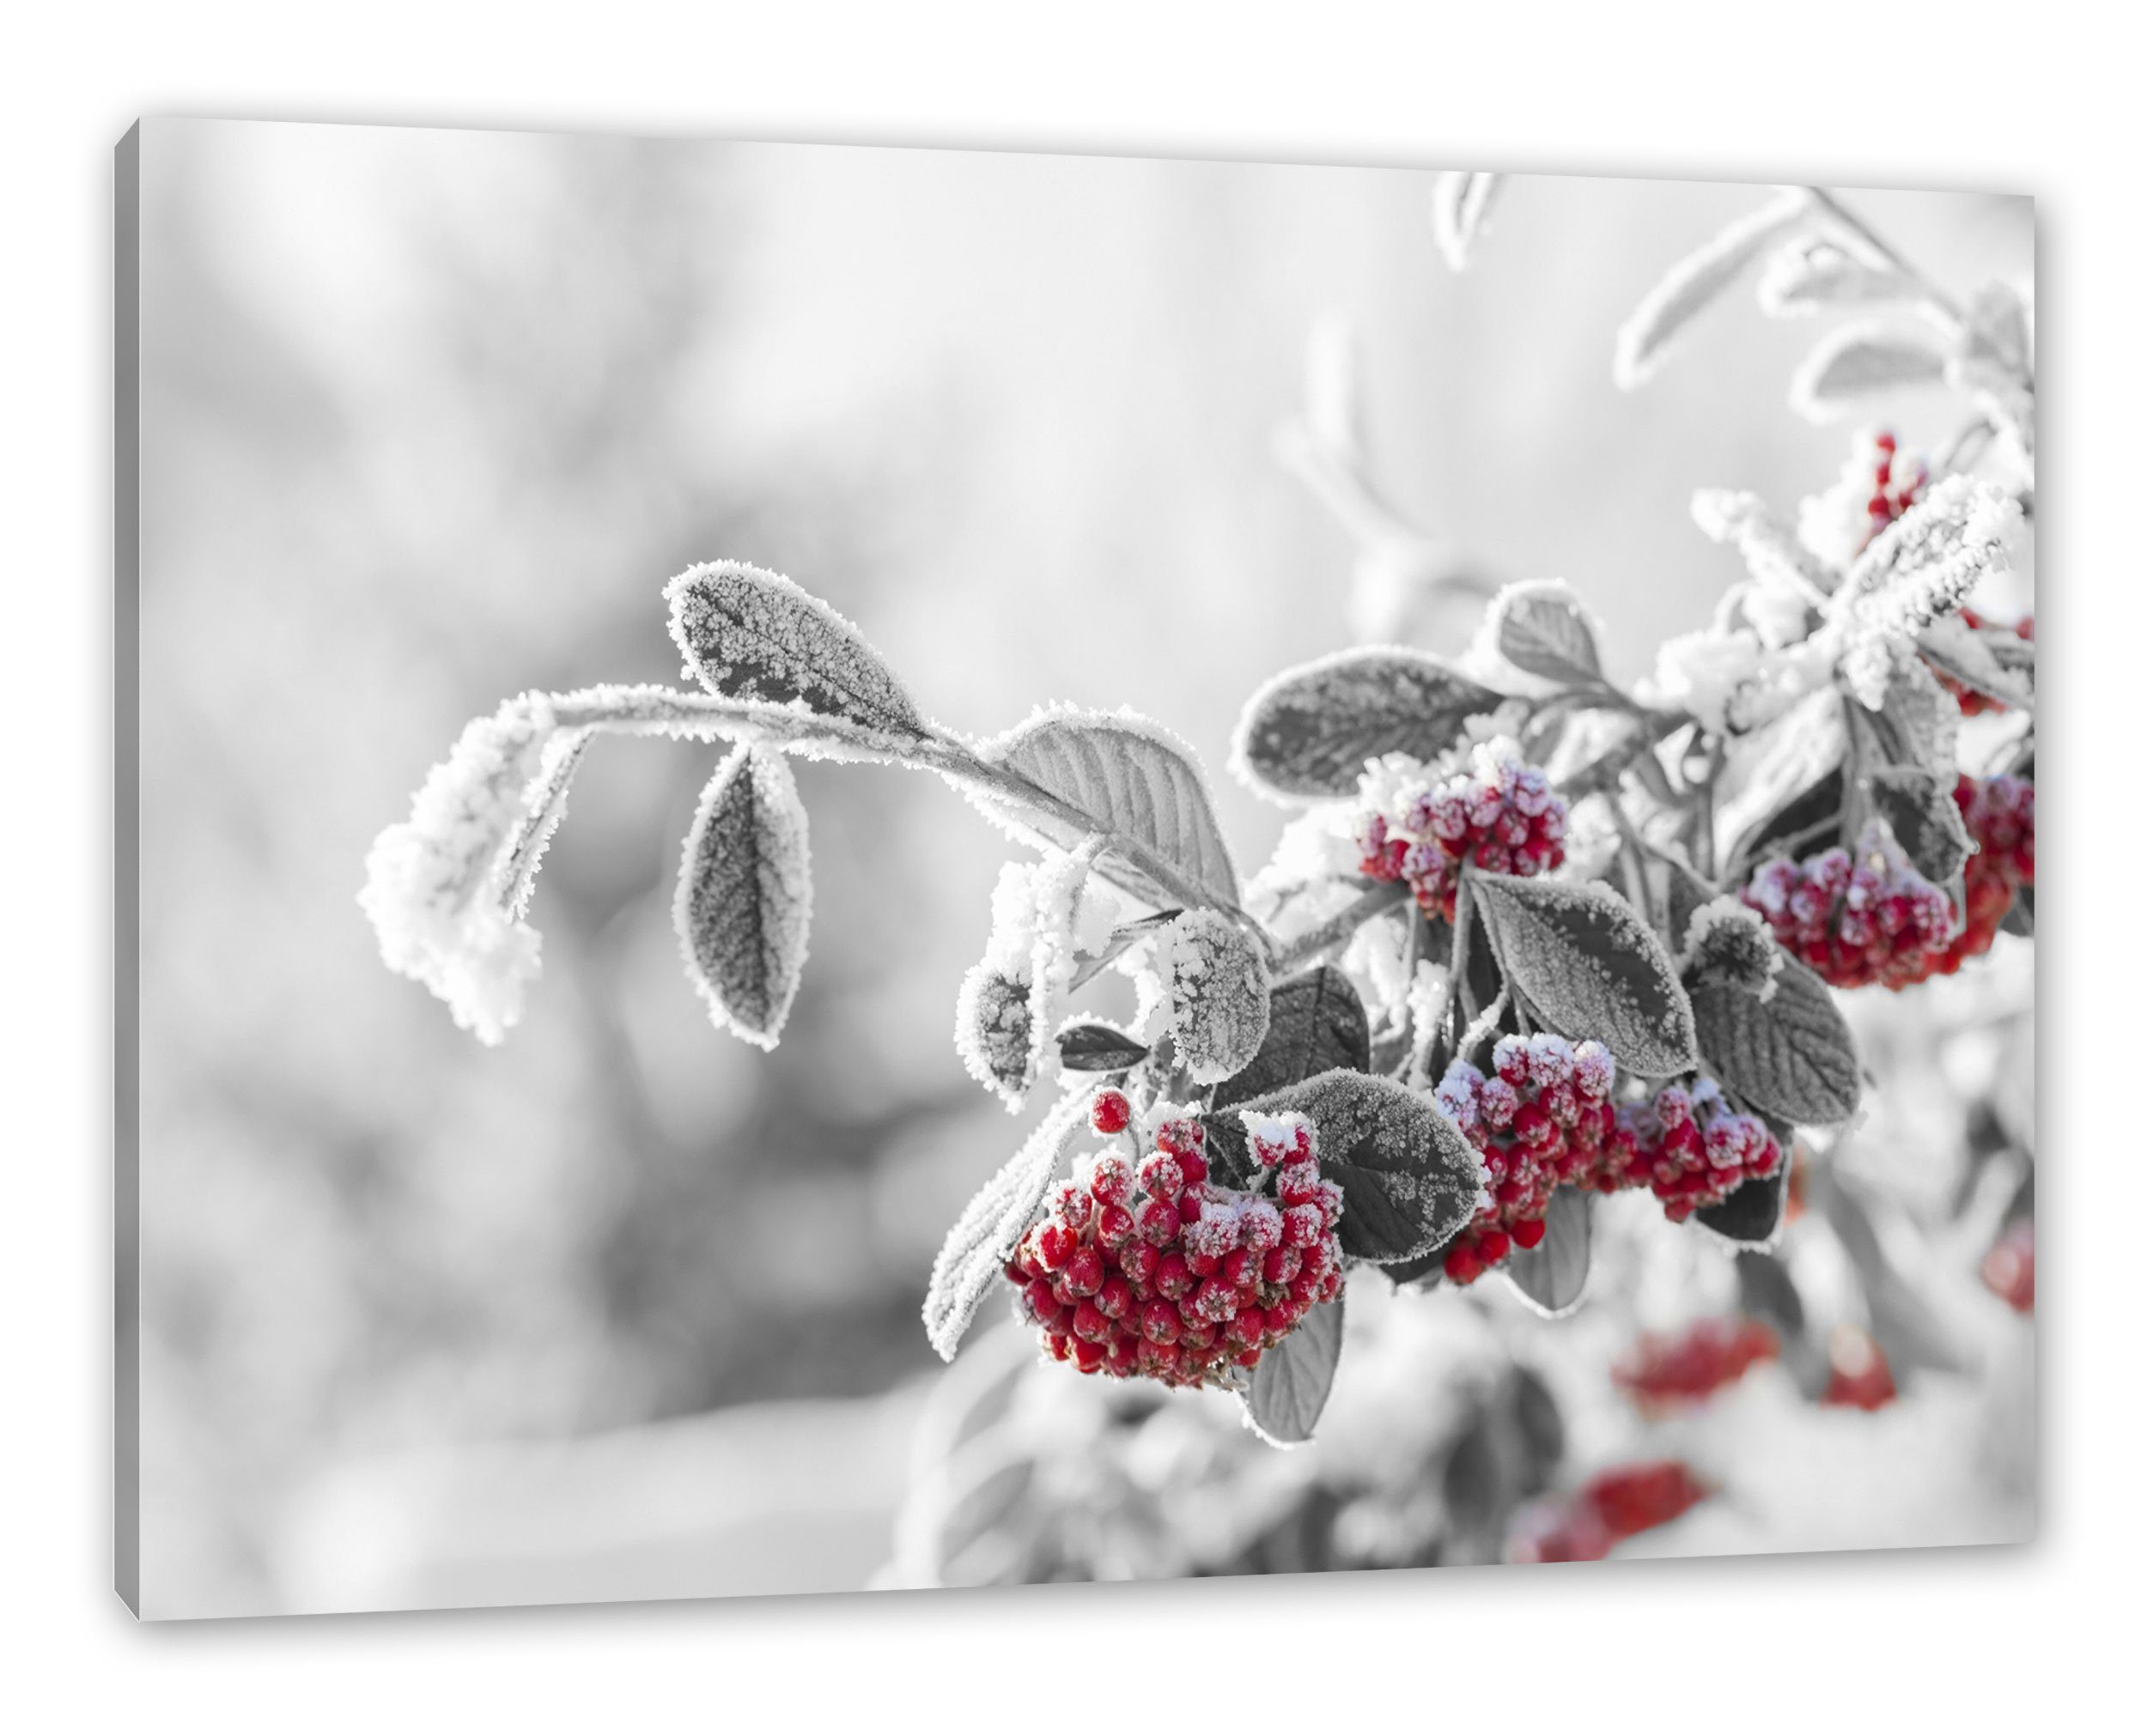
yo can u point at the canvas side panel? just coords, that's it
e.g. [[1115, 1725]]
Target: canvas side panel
[[126, 540]]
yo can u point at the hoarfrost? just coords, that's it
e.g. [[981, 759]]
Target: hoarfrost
[[435, 885]]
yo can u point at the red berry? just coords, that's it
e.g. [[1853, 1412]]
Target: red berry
[[1109, 1111]]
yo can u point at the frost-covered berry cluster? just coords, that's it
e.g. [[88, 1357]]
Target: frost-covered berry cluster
[[1663, 1370], [1540, 1120], [2000, 816], [1869, 917], [1151, 1267], [1544, 1119], [1499, 813], [1688, 1147]]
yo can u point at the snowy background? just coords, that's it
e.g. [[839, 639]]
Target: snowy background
[[624, 1307]]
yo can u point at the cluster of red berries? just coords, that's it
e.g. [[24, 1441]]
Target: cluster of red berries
[[1544, 1120], [2000, 816], [1688, 1146], [1894, 489], [1540, 1120], [1610, 1507], [1154, 1269], [1972, 703], [1500, 814], [1662, 1372], [1855, 920]]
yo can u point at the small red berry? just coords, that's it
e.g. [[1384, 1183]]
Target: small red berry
[[1109, 1111]]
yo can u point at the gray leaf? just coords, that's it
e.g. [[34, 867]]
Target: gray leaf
[[1552, 1276], [992, 1223], [1587, 964], [1855, 363], [749, 633], [745, 903], [1130, 781], [1408, 1176], [1308, 732], [1541, 631], [1695, 282], [1791, 1055], [1292, 1381]]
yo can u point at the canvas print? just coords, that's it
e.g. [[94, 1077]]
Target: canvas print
[[854, 868]]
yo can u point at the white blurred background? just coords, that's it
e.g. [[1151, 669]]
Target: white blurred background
[[624, 1307]]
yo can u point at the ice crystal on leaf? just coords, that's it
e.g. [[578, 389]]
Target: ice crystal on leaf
[[435, 885], [1216, 977]]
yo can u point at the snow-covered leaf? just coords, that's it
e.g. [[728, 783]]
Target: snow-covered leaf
[[1091, 1046], [1855, 363], [1307, 733], [1727, 946], [1216, 977], [1925, 565], [1461, 200], [749, 633], [990, 1225], [1315, 1022], [995, 1031], [1540, 627], [1695, 282], [1408, 1178], [1925, 820], [1791, 1055], [1121, 777], [1952, 646], [1813, 272], [544, 804], [1590, 967], [1290, 1384], [745, 903], [1552, 1276]]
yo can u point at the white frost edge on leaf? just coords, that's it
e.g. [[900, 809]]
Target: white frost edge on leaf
[[967, 1267], [784, 879], [843, 631], [1694, 282], [434, 891]]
